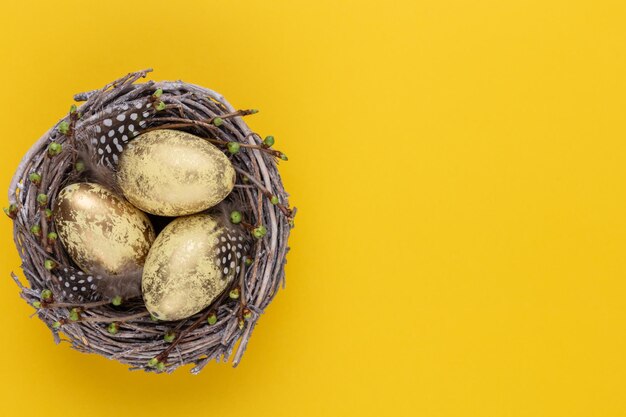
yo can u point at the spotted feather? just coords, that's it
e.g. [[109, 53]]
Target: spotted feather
[[117, 126], [77, 286], [230, 252]]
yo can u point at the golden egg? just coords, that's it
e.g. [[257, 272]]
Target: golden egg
[[192, 261], [173, 173], [101, 231]]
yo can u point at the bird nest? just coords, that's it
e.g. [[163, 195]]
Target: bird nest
[[126, 332]]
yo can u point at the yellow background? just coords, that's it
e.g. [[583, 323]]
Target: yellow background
[[459, 167]]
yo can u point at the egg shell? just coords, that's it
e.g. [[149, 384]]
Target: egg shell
[[102, 232], [192, 261], [172, 173]]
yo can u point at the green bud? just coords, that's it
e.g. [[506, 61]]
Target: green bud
[[218, 121], [48, 214], [46, 295], [35, 178], [64, 127], [49, 264], [116, 301], [169, 337], [234, 293], [248, 261], [80, 166], [241, 324], [54, 149], [254, 111], [235, 217], [36, 304], [73, 109], [259, 232], [269, 141], [56, 325], [113, 328], [245, 179], [160, 367], [284, 157], [153, 317], [11, 211], [160, 106], [52, 237], [74, 315], [212, 319], [247, 314], [158, 93], [274, 200], [153, 362], [233, 147], [42, 199], [35, 229]]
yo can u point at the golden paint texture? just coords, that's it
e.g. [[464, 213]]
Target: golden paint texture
[[101, 231], [173, 173], [181, 276]]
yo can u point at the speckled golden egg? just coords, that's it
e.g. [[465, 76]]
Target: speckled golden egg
[[173, 173], [102, 232], [192, 261]]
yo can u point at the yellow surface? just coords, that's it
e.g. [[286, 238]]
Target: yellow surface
[[459, 169]]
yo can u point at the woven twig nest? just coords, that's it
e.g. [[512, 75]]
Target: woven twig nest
[[127, 333]]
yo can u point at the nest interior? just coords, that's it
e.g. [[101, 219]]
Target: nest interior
[[139, 340]]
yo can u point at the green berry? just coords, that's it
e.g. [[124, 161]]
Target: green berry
[[74, 315], [233, 147], [158, 92], [212, 319], [42, 199], [80, 166], [269, 141], [49, 264], [35, 178], [64, 127], [235, 217], [52, 237], [153, 362], [259, 232], [113, 328], [248, 261], [160, 367], [247, 314], [48, 214], [35, 229], [169, 337], [36, 304], [274, 200], [160, 106], [234, 293], [73, 109], [56, 325], [116, 301], [218, 121], [46, 295]]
